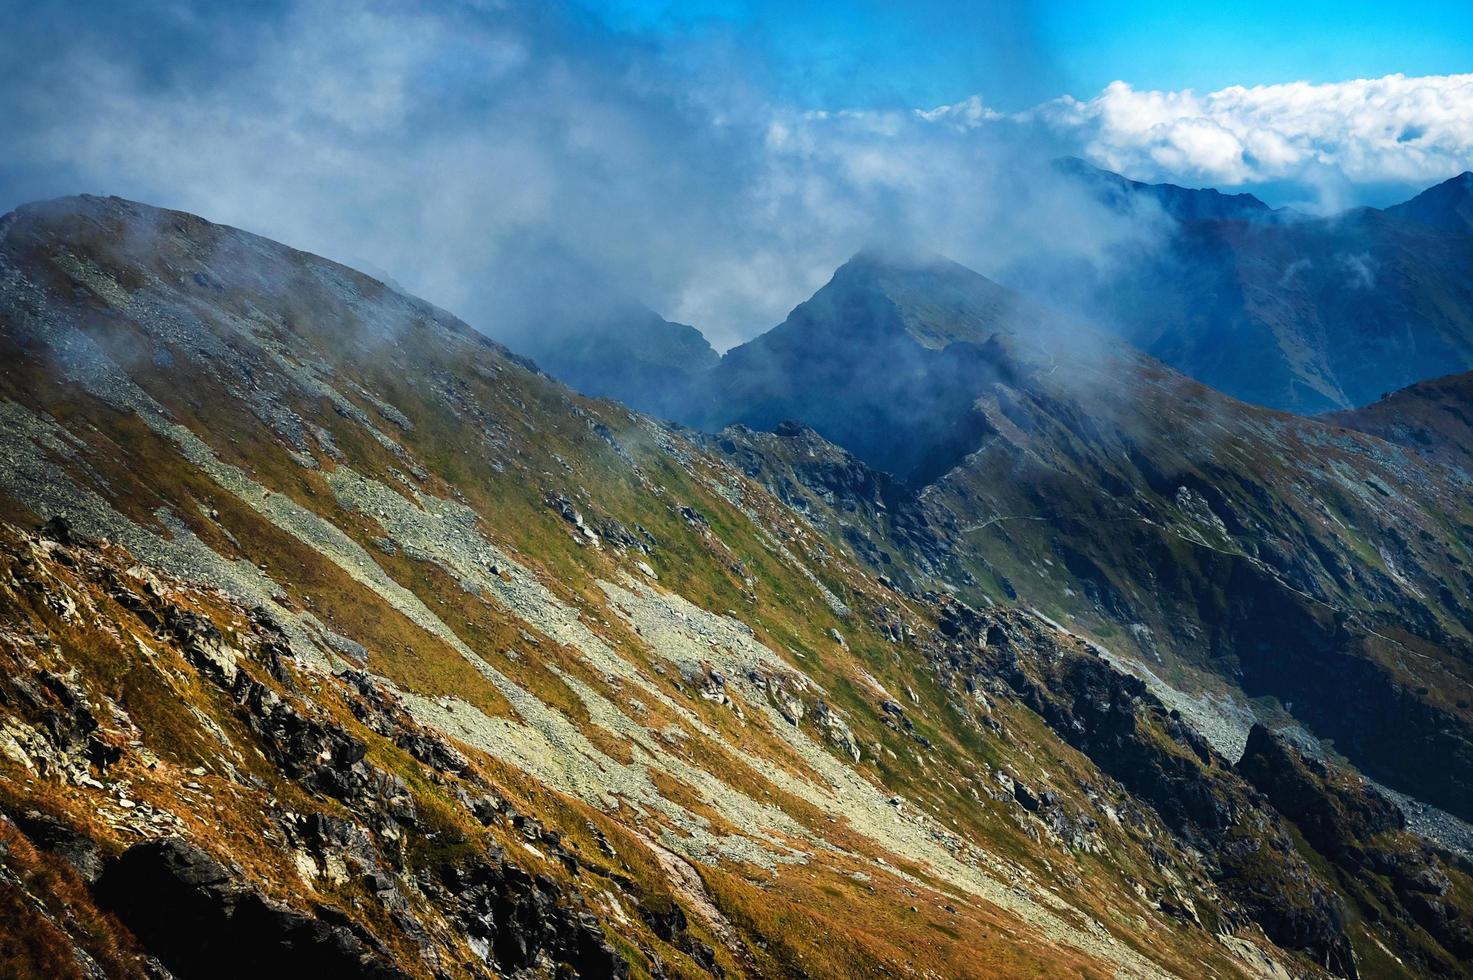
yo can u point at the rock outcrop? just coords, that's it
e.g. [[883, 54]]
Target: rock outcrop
[[201, 921], [1407, 885]]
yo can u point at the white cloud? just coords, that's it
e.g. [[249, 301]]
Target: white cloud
[[1394, 129]]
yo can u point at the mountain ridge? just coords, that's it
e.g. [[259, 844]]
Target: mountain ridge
[[1447, 206], [334, 616], [1308, 315], [1430, 417], [464, 674], [1180, 203]]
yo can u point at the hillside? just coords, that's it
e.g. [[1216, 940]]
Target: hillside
[[1246, 561], [1433, 418], [330, 622]]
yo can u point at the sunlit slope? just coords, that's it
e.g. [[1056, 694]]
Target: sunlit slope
[[386, 654], [687, 699]]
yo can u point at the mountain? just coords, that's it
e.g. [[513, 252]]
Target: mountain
[[1447, 207], [625, 352], [335, 637], [1181, 203], [1301, 313], [1247, 561], [905, 340], [1433, 418], [1039, 461], [1241, 554]]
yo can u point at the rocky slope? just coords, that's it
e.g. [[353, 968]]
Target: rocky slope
[[348, 634], [863, 508], [1255, 562], [1300, 313], [1389, 875], [334, 635]]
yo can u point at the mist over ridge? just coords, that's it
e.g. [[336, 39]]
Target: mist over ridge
[[726, 488], [476, 150]]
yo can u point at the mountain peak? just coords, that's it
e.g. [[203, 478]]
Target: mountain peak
[[883, 360], [1447, 206], [888, 257], [933, 299], [1181, 203]]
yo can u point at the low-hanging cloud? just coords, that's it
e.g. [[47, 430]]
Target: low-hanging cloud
[[508, 160]]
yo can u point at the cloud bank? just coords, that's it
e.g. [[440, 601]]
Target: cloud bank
[[506, 159], [1384, 130]]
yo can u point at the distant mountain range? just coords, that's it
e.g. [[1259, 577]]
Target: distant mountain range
[[1180, 203], [1272, 306], [1291, 311]]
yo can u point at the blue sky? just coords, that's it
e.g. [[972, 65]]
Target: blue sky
[[841, 54], [1253, 42]]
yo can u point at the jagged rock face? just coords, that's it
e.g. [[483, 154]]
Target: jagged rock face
[[1332, 820], [865, 508], [199, 917], [1131, 736], [201, 922], [1390, 875], [1343, 685]]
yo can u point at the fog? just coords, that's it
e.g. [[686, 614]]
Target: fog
[[516, 161], [505, 160]]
